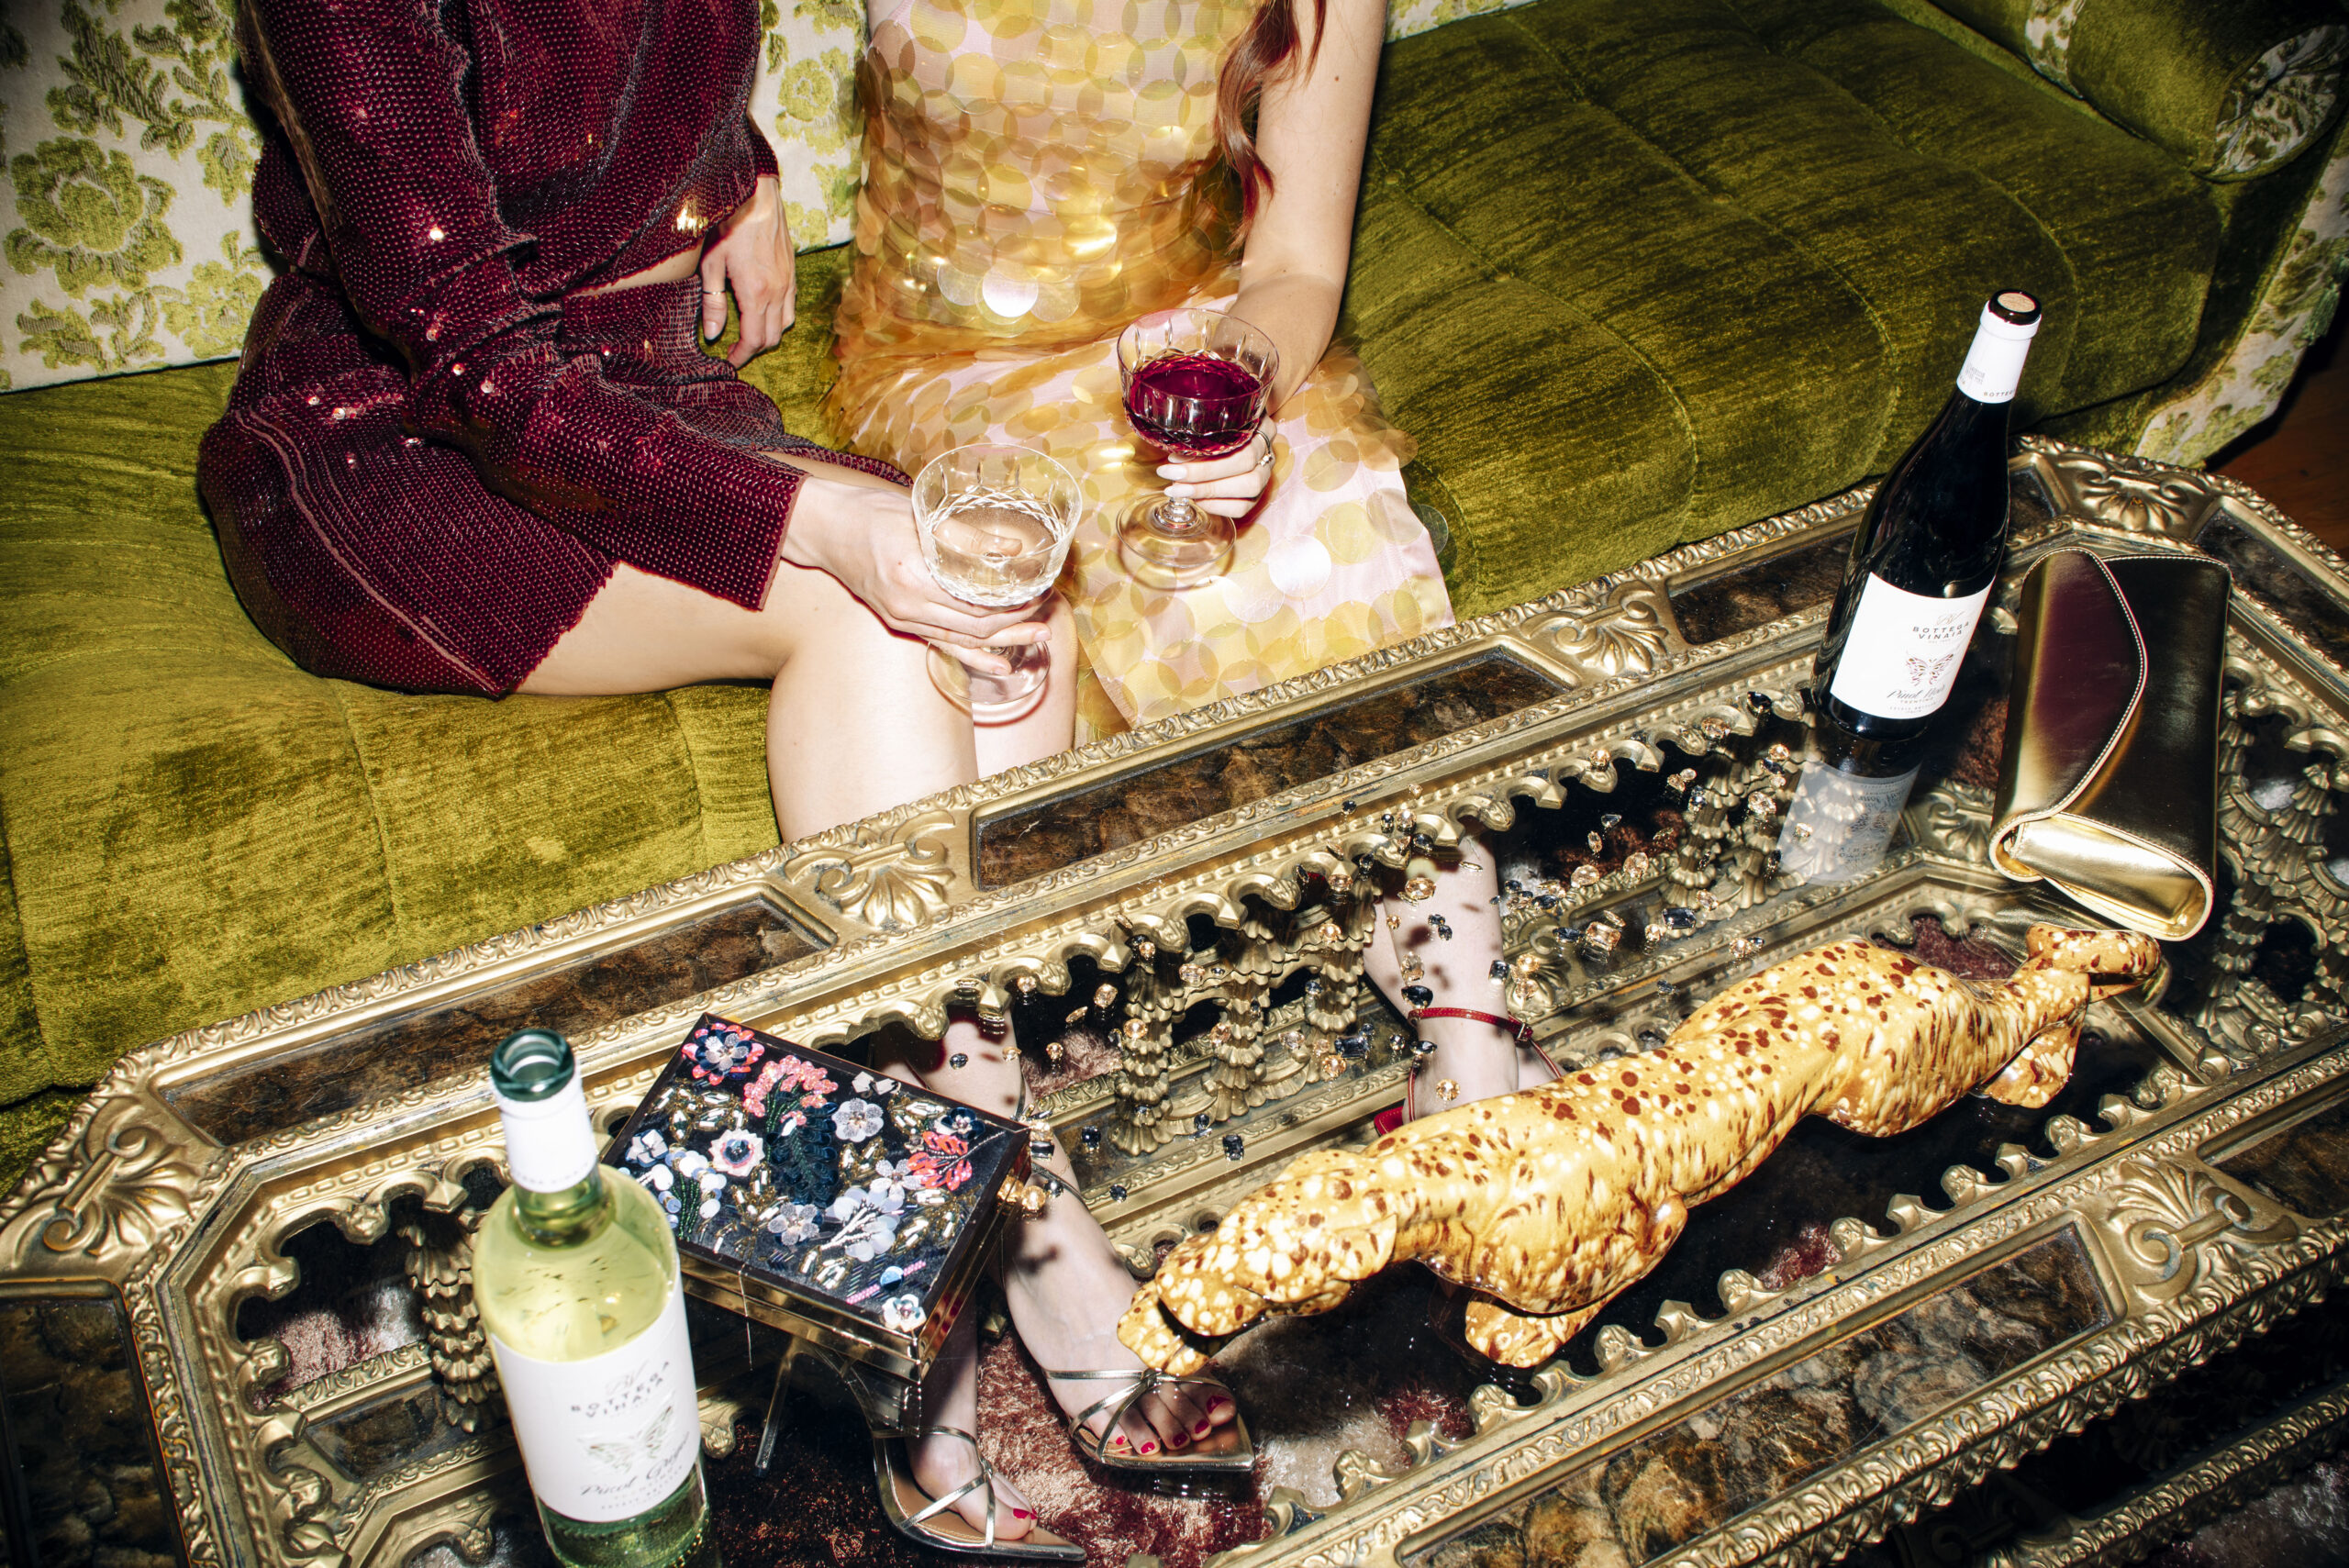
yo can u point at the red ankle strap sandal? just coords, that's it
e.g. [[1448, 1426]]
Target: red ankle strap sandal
[[1523, 1031]]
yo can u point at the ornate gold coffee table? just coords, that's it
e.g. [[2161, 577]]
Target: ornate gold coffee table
[[1197, 880]]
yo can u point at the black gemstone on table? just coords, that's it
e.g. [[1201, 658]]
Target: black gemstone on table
[[1759, 703], [1353, 1046], [1419, 995], [1500, 969], [1116, 1192], [1546, 900], [1679, 919], [1090, 1137], [1234, 1146], [1202, 1122]]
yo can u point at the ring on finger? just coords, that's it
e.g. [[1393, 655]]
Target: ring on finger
[[1266, 460]]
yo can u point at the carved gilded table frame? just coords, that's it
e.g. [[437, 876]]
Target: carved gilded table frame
[[886, 922]]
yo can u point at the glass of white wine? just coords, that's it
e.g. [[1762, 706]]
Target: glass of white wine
[[995, 522]]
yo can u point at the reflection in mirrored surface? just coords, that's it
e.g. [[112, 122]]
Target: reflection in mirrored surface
[[1840, 824]]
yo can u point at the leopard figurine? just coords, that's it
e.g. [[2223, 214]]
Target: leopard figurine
[[1548, 1201]]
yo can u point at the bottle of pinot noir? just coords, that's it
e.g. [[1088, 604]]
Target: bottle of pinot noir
[[1928, 555]]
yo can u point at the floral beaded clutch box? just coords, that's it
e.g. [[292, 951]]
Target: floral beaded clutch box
[[819, 1198]]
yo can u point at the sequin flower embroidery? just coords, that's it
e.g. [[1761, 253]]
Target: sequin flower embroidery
[[856, 1120], [723, 1055], [868, 1217], [942, 1161], [738, 1152]]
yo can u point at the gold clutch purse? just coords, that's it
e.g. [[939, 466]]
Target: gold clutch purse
[[2109, 788]]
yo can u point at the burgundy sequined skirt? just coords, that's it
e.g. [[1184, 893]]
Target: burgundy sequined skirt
[[370, 555]]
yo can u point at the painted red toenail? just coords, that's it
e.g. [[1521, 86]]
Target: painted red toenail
[[1118, 1440], [1021, 1514], [1178, 1441], [1150, 1448], [1203, 1429]]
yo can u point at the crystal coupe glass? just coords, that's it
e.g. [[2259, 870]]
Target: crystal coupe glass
[[995, 523]]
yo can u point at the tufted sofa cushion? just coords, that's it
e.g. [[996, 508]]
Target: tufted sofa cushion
[[1749, 283], [2231, 90]]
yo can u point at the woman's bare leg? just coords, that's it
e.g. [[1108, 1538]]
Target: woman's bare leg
[[853, 724], [854, 727], [1476, 1058]]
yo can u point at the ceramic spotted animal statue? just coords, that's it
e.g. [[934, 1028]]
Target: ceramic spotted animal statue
[[1550, 1201]]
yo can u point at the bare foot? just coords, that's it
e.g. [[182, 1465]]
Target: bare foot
[[942, 1464]]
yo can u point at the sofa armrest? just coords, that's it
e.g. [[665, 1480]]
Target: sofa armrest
[[2232, 87]]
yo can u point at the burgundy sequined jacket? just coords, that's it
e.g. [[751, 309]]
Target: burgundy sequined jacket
[[437, 444]]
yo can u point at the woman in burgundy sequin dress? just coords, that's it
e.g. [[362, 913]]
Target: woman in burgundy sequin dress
[[474, 444]]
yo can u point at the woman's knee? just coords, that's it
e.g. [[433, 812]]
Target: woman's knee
[[809, 611]]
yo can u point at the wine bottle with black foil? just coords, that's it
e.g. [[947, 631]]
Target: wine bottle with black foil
[[1929, 552], [576, 1277]]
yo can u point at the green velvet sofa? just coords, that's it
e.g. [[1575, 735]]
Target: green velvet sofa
[[1631, 274]]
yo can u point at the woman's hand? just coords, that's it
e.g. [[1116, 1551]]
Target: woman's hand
[[751, 252], [861, 530], [1228, 486]]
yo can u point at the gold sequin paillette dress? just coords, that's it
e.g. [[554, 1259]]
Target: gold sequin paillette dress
[[1028, 193]]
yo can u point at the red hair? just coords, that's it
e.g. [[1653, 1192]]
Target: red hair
[[1269, 47]]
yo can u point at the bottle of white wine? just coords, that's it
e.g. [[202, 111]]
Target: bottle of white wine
[[1929, 551], [576, 1277]]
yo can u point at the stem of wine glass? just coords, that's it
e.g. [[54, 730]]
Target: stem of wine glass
[[1176, 515]]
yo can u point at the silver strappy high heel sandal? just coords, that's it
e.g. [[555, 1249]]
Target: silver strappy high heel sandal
[[1225, 1453], [932, 1521]]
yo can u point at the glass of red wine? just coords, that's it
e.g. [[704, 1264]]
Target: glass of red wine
[[1195, 381]]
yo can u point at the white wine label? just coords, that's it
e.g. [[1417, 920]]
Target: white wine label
[[1904, 649], [549, 1145], [606, 1438]]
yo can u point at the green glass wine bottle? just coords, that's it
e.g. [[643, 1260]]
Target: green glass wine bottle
[[576, 1277]]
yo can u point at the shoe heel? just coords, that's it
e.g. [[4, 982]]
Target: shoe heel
[[778, 1404]]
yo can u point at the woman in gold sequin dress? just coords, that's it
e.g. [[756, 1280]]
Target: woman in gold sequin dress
[[1034, 184]]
